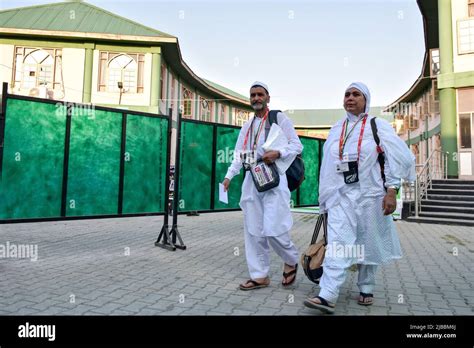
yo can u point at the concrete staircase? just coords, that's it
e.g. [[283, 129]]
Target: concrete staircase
[[448, 202]]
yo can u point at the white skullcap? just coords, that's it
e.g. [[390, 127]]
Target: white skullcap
[[259, 84]]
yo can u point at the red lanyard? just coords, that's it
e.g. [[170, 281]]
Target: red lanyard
[[257, 136], [344, 137]]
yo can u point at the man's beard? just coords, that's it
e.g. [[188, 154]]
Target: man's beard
[[258, 106]]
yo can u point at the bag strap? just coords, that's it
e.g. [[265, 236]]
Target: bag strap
[[381, 155], [321, 222], [272, 118]]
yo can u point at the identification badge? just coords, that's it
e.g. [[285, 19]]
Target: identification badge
[[342, 167], [248, 158], [351, 176]]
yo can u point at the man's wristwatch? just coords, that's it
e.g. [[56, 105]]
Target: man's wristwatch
[[394, 187]]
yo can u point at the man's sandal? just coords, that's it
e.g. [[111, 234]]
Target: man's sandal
[[324, 306], [254, 286], [367, 299], [287, 275]]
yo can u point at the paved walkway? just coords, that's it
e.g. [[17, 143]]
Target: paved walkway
[[111, 266]]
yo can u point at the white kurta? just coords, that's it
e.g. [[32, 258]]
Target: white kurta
[[266, 214], [355, 210]]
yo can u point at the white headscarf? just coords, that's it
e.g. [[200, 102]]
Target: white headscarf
[[398, 157], [365, 91]]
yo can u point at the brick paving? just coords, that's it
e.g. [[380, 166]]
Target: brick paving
[[111, 267]]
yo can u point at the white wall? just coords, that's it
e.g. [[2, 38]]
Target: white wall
[[73, 75], [463, 62], [6, 63]]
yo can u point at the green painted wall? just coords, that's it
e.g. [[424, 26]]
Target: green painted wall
[[456, 80], [447, 95], [155, 79], [449, 139], [88, 64]]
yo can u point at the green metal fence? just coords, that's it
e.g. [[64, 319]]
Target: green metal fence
[[67, 160], [206, 151]]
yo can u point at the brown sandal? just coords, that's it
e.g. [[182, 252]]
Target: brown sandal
[[286, 275]]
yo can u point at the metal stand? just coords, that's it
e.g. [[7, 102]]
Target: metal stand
[[169, 236]]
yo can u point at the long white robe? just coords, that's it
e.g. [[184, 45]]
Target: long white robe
[[357, 208], [266, 214]]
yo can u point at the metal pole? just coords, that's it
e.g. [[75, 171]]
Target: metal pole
[[174, 229], [2, 124], [446, 165], [416, 197], [164, 233]]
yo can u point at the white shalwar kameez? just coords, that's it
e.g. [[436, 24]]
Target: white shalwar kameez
[[356, 221], [267, 215]]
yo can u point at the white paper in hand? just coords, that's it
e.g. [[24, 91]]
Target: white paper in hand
[[223, 194], [277, 141]]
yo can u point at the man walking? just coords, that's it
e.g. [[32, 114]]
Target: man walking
[[267, 215]]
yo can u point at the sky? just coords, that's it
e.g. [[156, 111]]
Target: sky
[[306, 51]]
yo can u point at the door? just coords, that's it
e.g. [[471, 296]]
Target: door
[[466, 141], [466, 133]]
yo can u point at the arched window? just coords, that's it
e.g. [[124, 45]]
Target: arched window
[[222, 114], [206, 109], [128, 68], [37, 69], [241, 117], [122, 68], [187, 103]]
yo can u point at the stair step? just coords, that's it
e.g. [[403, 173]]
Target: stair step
[[449, 197], [453, 187], [440, 208], [443, 215], [433, 220], [467, 204], [452, 192], [453, 181]]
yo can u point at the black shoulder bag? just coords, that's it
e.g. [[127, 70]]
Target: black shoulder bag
[[295, 173]]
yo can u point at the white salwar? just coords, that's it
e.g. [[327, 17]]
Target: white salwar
[[356, 220], [267, 215]]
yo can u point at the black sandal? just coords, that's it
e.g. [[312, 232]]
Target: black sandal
[[289, 274], [364, 297], [254, 286], [324, 306]]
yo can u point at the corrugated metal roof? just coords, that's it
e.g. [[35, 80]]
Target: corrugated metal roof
[[328, 117], [73, 17], [226, 90]]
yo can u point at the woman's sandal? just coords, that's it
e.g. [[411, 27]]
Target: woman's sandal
[[287, 275], [364, 301], [324, 306], [254, 286]]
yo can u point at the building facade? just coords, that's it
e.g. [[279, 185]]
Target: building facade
[[437, 112], [317, 123], [78, 52]]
